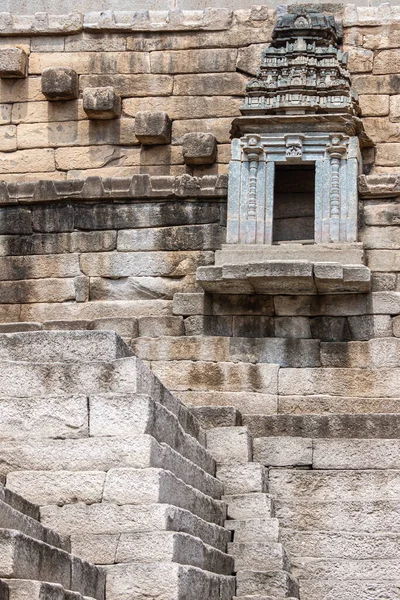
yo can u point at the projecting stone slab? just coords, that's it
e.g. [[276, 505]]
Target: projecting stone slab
[[60, 83], [13, 63], [290, 277], [153, 127], [101, 103], [199, 148]]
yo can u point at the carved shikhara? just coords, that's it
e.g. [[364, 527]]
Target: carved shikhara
[[300, 110]]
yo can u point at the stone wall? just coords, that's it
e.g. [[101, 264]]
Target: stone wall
[[123, 242]]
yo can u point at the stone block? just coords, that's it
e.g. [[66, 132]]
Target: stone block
[[13, 63], [243, 478], [292, 327], [139, 288], [81, 284], [199, 148], [188, 375], [280, 351], [155, 327], [38, 290], [375, 105], [388, 155], [194, 61], [29, 267], [356, 454], [211, 417], [57, 487], [246, 402], [186, 107], [60, 83], [370, 326], [101, 103], [53, 218], [40, 417], [88, 580], [360, 60], [169, 579], [248, 506], [153, 127], [283, 451], [39, 160], [229, 445], [8, 138], [147, 486], [219, 128], [125, 327], [191, 237], [277, 584], [181, 348], [210, 84], [191, 304], [254, 530], [26, 558], [256, 556], [111, 519], [330, 329]]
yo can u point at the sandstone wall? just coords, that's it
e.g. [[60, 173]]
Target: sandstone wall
[[101, 251]]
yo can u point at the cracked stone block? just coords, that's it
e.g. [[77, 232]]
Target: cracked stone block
[[101, 103], [199, 148], [60, 83], [153, 127], [13, 63]]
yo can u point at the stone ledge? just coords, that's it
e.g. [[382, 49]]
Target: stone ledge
[[285, 277], [209, 19], [99, 188], [379, 186]]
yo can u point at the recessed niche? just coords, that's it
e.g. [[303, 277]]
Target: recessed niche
[[294, 203]]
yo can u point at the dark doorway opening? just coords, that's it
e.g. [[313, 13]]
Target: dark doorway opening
[[294, 203]]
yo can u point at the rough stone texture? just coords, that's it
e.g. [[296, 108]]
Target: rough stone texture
[[13, 63], [101, 103], [60, 83], [199, 148], [152, 127]]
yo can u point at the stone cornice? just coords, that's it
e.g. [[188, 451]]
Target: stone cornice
[[379, 185], [140, 187]]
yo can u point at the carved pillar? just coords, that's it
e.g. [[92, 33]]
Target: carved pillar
[[253, 151], [336, 152]]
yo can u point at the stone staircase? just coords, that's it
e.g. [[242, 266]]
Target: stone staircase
[[35, 561], [116, 462]]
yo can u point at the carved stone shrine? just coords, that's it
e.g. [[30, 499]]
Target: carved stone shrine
[[293, 175]]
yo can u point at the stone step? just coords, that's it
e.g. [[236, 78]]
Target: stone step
[[254, 530], [247, 402], [324, 426], [362, 589], [345, 568], [10, 518], [125, 376], [62, 346], [243, 478], [291, 484], [22, 589], [132, 414], [97, 455], [248, 506], [19, 504], [168, 546], [147, 486], [324, 404], [372, 383], [23, 557], [167, 581], [223, 376], [259, 554], [356, 515], [120, 486], [279, 584], [81, 521], [343, 544]]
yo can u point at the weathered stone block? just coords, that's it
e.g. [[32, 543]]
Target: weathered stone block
[[194, 61], [283, 451], [243, 478], [101, 103], [60, 83], [153, 127], [199, 148], [375, 105], [161, 326], [13, 63], [191, 304], [229, 445]]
